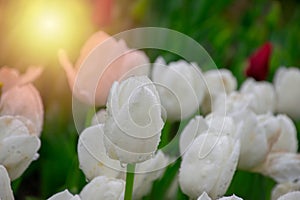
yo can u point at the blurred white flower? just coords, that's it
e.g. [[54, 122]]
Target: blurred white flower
[[102, 61], [264, 92], [290, 196], [147, 172], [103, 188], [286, 82], [281, 133], [92, 155], [100, 187], [284, 188], [282, 167], [216, 156], [18, 146], [217, 82], [222, 125], [5, 189], [232, 103], [181, 87], [133, 126], [250, 134]]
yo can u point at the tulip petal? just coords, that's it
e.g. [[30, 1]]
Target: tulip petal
[[92, 155], [17, 152], [64, 195], [103, 188], [5, 189]]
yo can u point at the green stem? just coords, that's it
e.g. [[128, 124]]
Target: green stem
[[129, 181]]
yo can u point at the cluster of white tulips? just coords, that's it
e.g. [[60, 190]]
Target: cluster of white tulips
[[229, 129], [21, 121]]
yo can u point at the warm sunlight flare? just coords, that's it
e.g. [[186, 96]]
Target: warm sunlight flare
[[46, 26]]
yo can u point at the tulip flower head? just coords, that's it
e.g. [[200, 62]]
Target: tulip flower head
[[286, 82], [101, 187], [258, 63], [102, 61], [180, 86], [208, 165], [133, 126]]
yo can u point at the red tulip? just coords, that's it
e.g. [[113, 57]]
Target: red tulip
[[258, 63]]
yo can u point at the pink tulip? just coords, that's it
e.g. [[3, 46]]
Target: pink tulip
[[21, 99], [127, 64]]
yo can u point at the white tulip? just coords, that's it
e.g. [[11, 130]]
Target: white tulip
[[287, 81], [17, 146], [147, 172], [290, 196], [281, 133], [282, 167], [92, 155], [204, 196], [251, 134], [232, 103], [284, 188], [103, 188], [5, 189], [212, 123], [216, 156], [217, 82], [265, 97], [195, 127], [133, 126], [233, 197], [64, 195], [180, 86]]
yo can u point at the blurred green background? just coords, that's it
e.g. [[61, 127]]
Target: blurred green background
[[230, 30]]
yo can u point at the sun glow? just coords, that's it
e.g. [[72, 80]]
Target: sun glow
[[45, 26]]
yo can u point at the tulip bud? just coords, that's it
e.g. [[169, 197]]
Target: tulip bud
[[133, 126], [180, 86], [287, 81], [5, 189], [217, 82], [290, 196], [24, 101], [103, 188], [208, 165], [264, 93], [281, 133], [258, 66]]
